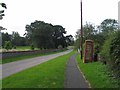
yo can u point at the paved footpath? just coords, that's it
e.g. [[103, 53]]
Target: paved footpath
[[74, 78], [17, 66]]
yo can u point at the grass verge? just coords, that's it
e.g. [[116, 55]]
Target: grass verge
[[21, 48], [50, 74], [22, 57], [97, 74]]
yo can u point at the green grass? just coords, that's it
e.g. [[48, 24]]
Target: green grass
[[97, 74], [19, 48], [50, 74], [17, 58], [0, 84], [22, 48]]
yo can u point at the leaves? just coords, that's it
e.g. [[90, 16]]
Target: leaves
[[45, 36]]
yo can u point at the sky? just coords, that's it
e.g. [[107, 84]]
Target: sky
[[19, 13]]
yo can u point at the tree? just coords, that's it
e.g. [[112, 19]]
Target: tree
[[39, 33], [58, 36], [8, 45], [5, 37], [45, 36], [2, 11], [69, 40], [15, 39], [88, 31], [108, 26]]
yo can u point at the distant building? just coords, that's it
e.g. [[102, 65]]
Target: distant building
[[119, 13]]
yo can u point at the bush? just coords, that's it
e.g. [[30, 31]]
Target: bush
[[8, 45], [105, 51], [32, 47], [115, 54], [14, 47]]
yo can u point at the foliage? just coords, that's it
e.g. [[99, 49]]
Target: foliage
[[5, 37], [89, 31], [2, 11], [32, 47], [14, 38], [50, 74], [115, 53], [8, 45], [105, 50], [17, 40], [109, 25], [45, 36]]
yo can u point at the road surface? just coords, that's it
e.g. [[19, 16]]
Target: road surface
[[17, 66]]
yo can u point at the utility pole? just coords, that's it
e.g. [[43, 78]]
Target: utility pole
[[81, 40], [119, 15]]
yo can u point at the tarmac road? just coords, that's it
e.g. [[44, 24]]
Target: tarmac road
[[17, 66]]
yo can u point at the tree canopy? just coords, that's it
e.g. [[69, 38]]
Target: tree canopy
[[45, 36]]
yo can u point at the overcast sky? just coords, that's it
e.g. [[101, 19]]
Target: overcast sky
[[57, 12]]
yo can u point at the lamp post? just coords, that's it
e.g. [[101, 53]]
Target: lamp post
[[81, 40]]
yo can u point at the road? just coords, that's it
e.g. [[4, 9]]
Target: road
[[17, 66]]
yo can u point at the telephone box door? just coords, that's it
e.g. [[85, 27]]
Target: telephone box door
[[88, 51]]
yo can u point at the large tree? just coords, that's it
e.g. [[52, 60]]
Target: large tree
[[58, 36], [39, 33], [45, 36]]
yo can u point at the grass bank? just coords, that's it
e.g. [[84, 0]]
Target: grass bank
[[50, 74], [97, 74], [22, 57]]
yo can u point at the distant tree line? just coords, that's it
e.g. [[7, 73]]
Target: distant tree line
[[40, 35], [14, 39], [47, 36]]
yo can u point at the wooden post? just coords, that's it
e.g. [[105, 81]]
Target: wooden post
[[81, 40]]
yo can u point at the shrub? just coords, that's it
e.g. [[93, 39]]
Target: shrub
[[105, 51], [32, 47], [115, 54], [14, 47], [8, 45]]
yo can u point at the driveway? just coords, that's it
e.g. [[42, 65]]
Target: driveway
[[17, 66]]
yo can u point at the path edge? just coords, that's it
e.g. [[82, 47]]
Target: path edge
[[83, 74]]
